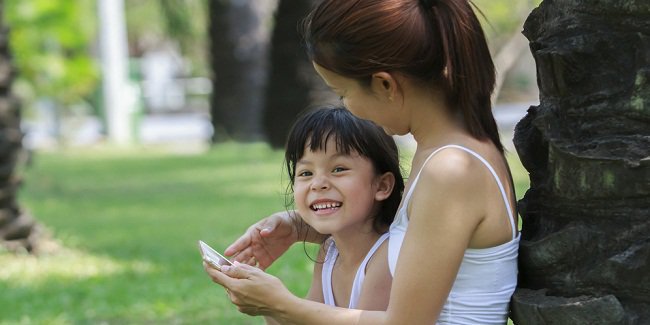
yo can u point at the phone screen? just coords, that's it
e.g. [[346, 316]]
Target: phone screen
[[211, 256]]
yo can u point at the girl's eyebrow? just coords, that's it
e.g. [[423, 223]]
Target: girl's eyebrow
[[303, 162], [334, 156]]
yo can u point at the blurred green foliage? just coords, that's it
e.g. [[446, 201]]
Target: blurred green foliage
[[180, 22], [503, 18], [54, 42], [51, 41]]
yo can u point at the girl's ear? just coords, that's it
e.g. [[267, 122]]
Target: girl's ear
[[385, 85], [386, 182]]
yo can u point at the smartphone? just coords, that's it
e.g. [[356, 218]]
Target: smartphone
[[211, 256]]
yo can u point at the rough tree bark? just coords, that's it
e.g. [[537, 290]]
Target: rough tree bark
[[18, 230], [585, 249]]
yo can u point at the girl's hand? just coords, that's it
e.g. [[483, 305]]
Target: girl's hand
[[252, 290], [265, 241]]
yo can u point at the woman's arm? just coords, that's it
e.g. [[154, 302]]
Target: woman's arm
[[315, 292], [445, 209], [376, 285], [271, 321], [270, 237], [255, 292]]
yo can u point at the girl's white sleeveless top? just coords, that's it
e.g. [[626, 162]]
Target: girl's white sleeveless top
[[487, 277], [328, 266]]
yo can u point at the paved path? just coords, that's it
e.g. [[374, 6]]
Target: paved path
[[196, 128]]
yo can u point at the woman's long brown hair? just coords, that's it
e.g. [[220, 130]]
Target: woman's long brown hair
[[442, 45]]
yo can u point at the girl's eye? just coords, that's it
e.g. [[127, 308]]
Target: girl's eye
[[338, 169], [304, 174]]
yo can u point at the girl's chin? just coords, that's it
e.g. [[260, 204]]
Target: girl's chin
[[321, 229]]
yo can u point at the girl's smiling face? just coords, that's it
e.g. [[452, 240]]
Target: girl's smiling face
[[336, 193]]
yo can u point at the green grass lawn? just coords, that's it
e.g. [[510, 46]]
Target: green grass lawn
[[129, 222]]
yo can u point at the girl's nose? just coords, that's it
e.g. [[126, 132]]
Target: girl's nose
[[320, 183]]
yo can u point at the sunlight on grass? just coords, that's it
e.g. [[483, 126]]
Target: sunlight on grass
[[65, 265], [129, 221]]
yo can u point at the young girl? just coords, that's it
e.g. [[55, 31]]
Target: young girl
[[346, 183], [420, 67]]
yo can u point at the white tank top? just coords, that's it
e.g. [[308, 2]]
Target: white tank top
[[330, 259], [487, 277]]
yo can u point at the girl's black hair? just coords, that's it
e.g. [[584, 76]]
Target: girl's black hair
[[316, 126]]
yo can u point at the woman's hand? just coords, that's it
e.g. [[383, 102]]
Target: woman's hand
[[252, 290], [265, 241]]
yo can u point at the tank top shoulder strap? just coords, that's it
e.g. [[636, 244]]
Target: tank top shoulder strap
[[407, 197], [371, 253], [361, 272], [328, 266], [326, 277]]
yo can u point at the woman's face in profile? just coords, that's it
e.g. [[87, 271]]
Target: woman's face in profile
[[359, 100]]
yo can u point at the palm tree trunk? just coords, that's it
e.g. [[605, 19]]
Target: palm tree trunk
[[585, 250], [18, 231], [239, 40], [293, 84]]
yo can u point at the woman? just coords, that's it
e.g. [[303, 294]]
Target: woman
[[419, 67]]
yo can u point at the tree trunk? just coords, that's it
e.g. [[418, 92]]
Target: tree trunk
[[585, 249], [239, 40], [293, 84], [18, 231]]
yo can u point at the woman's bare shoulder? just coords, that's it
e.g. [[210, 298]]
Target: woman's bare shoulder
[[452, 184], [452, 168]]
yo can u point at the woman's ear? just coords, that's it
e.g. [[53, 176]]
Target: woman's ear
[[385, 85], [386, 182]]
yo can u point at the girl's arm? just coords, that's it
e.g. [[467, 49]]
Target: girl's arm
[[270, 237], [445, 209]]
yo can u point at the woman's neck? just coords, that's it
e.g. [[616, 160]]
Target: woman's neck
[[432, 122]]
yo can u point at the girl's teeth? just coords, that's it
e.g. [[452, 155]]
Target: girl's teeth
[[326, 206]]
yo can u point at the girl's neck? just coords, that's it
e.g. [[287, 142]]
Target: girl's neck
[[353, 246]]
